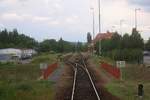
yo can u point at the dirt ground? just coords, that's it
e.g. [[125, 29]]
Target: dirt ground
[[64, 85], [101, 78]]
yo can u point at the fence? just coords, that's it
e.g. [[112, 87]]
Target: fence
[[114, 71], [49, 70]]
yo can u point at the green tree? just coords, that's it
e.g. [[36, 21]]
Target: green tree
[[126, 41], [13, 39], [89, 37], [128, 47], [136, 40], [48, 45], [61, 45], [116, 41]]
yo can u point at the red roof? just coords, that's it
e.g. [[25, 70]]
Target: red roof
[[102, 36]]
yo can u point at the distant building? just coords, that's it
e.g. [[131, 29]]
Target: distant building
[[5, 58], [11, 51], [12, 54], [102, 36], [27, 53]]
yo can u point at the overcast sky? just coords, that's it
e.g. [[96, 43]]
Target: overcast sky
[[72, 19]]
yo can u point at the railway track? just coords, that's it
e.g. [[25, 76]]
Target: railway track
[[83, 86]]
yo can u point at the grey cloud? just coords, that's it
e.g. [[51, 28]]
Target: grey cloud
[[23, 0], [145, 4], [140, 2]]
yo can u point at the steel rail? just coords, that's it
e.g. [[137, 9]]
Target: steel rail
[[98, 97], [84, 67], [74, 83], [74, 67]]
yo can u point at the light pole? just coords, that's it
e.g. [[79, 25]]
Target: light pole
[[137, 9], [99, 7], [92, 9]]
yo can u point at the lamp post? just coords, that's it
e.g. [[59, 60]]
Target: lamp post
[[99, 7], [92, 9], [137, 9]]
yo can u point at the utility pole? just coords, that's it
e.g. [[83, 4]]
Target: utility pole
[[137, 9], [99, 7], [93, 15], [92, 9]]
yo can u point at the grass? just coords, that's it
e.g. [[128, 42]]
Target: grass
[[40, 90], [97, 60], [20, 82], [33, 90], [122, 90], [45, 58], [127, 88]]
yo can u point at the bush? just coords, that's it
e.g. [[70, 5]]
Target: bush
[[130, 55]]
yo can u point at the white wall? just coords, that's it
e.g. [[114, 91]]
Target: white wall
[[29, 52], [11, 51]]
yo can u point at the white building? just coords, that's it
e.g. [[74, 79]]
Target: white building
[[11, 51], [11, 54], [5, 58], [28, 52]]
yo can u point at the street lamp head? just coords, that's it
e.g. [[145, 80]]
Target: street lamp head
[[122, 20], [113, 26], [91, 8]]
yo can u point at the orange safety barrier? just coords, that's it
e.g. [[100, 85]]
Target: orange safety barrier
[[114, 71], [49, 70]]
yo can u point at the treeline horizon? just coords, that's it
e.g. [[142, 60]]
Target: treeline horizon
[[14, 39], [127, 47]]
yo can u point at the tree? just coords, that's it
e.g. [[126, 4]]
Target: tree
[[45, 46], [116, 41], [61, 45], [13, 39], [106, 45], [136, 40], [4, 38], [89, 37], [128, 47], [126, 41]]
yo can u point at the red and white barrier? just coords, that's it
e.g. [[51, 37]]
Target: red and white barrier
[[114, 71], [49, 70]]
